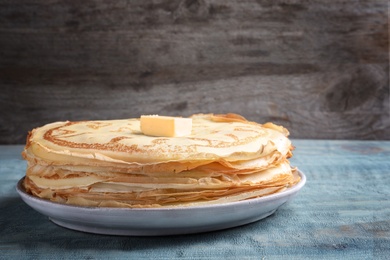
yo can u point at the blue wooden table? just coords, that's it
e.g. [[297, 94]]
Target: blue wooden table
[[343, 212]]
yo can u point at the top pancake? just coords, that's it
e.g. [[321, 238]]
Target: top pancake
[[229, 139]]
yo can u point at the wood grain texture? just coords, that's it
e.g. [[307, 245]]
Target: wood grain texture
[[321, 69], [343, 212]]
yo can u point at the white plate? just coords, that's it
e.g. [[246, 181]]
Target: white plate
[[160, 221]]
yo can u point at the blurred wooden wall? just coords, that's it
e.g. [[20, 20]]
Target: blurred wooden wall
[[320, 68]]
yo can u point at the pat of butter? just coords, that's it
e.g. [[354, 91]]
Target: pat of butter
[[166, 126]]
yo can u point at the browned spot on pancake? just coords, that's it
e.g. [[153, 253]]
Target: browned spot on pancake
[[159, 141], [97, 125], [122, 129], [233, 136], [209, 143], [118, 139], [28, 141], [242, 129]]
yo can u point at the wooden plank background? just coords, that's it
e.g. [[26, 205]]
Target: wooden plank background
[[320, 68]]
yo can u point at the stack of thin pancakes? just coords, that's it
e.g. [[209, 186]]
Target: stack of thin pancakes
[[112, 164]]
